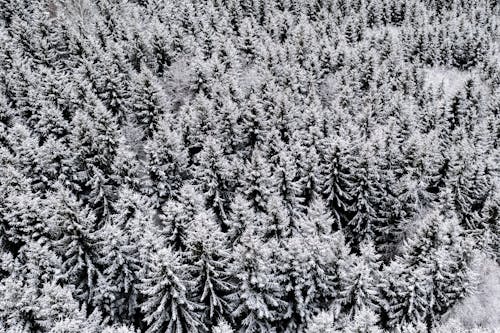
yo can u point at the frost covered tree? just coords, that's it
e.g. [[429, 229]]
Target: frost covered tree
[[367, 193], [76, 241], [164, 288], [223, 327], [257, 181], [178, 216], [311, 276], [318, 220], [147, 101], [241, 217], [214, 175], [433, 272], [208, 260], [118, 285], [93, 144], [337, 179], [258, 302], [359, 281], [167, 161]]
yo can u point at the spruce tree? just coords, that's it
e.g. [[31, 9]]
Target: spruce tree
[[118, 285], [76, 241], [208, 259], [166, 163], [359, 281], [258, 302], [165, 291]]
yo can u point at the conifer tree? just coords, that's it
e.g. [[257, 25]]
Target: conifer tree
[[177, 216], [93, 145], [165, 291], [147, 101], [318, 220], [118, 284], [414, 286], [359, 281], [310, 275], [208, 260], [167, 161], [323, 322], [76, 241], [214, 176], [242, 217], [223, 327], [287, 185], [364, 321], [111, 86], [257, 181], [337, 179], [258, 302], [366, 193]]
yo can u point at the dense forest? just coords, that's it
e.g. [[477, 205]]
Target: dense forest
[[222, 166]]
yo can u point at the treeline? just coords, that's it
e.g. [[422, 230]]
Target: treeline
[[246, 166]]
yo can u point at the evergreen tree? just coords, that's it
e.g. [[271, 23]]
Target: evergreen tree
[[321, 323], [469, 180], [165, 291], [337, 179], [258, 303], [318, 220], [433, 273], [364, 321], [208, 261], [366, 193], [23, 220], [256, 182], [76, 241], [93, 145], [359, 281], [112, 81], [310, 272], [215, 177], [223, 327], [147, 101], [167, 162], [177, 216], [118, 284], [287, 186], [242, 217]]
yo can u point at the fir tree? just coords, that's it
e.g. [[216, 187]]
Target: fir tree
[[93, 145], [165, 287], [147, 101], [208, 261], [167, 161], [215, 177], [258, 302], [118, 284], [337, 180], [177, 216], [359, 281], [76, 241]]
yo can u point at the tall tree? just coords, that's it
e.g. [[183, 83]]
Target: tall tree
[[166, 163], [165, 289], [208, 259]]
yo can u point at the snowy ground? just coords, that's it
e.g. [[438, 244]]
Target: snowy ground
[[451, 79], [481, 311]]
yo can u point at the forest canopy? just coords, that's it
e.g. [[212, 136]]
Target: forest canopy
[[247, 165]]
